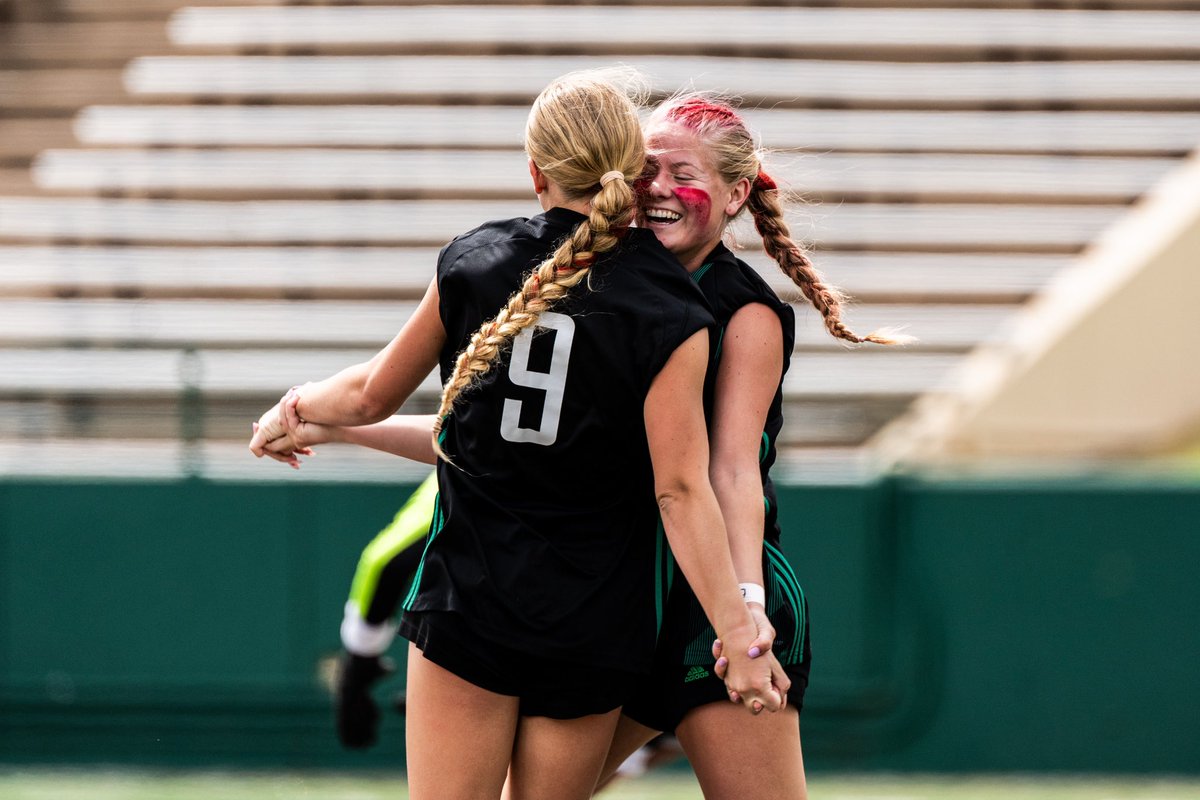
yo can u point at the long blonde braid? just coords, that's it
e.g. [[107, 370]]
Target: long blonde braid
[[581, 128]]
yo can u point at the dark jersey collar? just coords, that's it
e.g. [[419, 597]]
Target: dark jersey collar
[[563, 217]]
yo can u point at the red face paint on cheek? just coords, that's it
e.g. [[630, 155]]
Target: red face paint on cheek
[[696, 201]]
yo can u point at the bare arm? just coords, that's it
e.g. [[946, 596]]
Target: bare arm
[[691, 517], [373, 390], [404, 435], [747, 378]]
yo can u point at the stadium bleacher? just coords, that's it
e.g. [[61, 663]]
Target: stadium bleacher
[[202, 206]]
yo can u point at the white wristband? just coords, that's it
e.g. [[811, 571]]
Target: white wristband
[[753, 593]]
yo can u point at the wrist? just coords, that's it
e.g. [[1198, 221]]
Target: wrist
[[738, 634], [754, 593]]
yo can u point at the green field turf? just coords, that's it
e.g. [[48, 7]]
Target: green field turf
[[46, 784]]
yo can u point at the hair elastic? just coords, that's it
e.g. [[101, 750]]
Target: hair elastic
[[611, 175], [764, 183]]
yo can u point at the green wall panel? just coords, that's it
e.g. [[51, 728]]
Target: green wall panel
[[956, 625], [1066, 620]]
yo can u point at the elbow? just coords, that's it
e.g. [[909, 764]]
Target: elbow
[[370, 408], [675, 492], [732, 476]]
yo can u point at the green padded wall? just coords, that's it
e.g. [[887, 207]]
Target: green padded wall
[[957, 625]]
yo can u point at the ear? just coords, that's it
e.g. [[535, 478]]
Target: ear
[[738, 195], [539, 179]]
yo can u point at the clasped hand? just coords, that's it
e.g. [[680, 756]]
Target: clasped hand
[[281, 434], [753, 675]]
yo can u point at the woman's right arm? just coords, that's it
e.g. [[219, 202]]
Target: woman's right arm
[[405, 435], [373, 390], [675, 428]]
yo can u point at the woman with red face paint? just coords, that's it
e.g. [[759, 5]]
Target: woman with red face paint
[[703, 171], [534, 611]]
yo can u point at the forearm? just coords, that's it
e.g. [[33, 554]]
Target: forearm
[[340, 399], [692, 522], [740, 495], [404, 435], [373, 390]]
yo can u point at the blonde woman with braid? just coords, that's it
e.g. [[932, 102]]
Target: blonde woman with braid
[[705, 170], [571, 421]]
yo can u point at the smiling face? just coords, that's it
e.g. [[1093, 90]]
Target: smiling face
[[683, 198]]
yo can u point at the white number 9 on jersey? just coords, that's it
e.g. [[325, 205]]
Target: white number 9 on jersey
[[553, 383]]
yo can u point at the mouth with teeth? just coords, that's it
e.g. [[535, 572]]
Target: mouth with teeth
[[662, 216]]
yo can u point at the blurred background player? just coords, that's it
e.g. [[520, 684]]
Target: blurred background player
[[384, 571]]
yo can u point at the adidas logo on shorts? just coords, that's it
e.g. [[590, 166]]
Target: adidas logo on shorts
[[695, 674]]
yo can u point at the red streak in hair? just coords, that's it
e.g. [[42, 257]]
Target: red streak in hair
[[694, 113]]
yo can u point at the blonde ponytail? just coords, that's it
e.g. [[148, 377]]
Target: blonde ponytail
[[581, 130]]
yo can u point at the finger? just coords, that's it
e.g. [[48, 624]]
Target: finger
[[290, 460], [291, 415], [762, 643], [282, 446], [734, 696], [764, 638], [721, 667], [256, 442], [769, 701]]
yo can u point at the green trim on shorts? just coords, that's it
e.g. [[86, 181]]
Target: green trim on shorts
[[439, 522], [411, 523], [789, 587], [664, 575]]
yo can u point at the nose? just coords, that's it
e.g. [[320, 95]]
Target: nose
[[658, 185]]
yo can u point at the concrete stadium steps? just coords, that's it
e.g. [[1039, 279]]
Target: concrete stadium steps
[[499, 127], [82, 44], [1078, 85], [43, 93], [805, 33], [85, 10], [388, 273], [32, 322], [1047, 229], [22, 139], [840, 421], [335, 173], [975, 150], [105, 393], [230, 460], [134, 458]]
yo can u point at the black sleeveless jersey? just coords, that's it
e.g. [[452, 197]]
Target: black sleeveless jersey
[[547, 534], [729, 284]]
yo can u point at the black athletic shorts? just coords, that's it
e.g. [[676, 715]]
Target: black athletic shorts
[[683, 676], [546, 687]]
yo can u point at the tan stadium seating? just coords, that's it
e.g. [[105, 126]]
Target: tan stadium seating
[[201, 206]]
